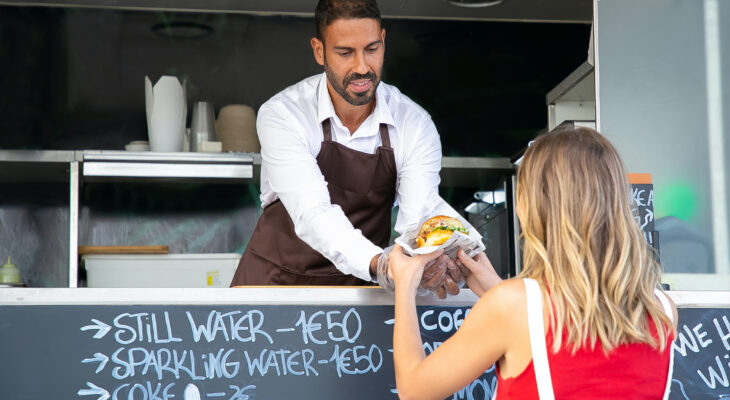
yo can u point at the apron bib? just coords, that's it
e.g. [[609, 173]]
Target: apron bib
[[362, 184]]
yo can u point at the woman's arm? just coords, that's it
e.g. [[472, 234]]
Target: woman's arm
[[480, 341]]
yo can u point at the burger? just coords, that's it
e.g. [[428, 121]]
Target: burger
[[438, 230]]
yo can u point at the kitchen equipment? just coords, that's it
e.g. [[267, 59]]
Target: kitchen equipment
[[137, 145], [202, 124], [166, 108], [488, 215], [160, 270], [236, 128], [9, 274], [210, 147], [83, 250]]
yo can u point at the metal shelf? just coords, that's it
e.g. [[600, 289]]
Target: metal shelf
[[573, 99], [475, 172], [33, 166], [105, 165]]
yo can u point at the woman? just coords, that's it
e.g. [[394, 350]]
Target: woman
[[587, 275]]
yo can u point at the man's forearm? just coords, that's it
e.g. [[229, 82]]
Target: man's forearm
[[374, 266]]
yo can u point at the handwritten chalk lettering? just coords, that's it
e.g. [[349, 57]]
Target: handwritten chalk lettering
[[445, 321], [342, 326], [356, 361], [145, 391], [347, 328], [218, 366], [281, 362], [642, 197], [143, 327], [157, 361], [488, 389], [240, 392], [720, 376], [637, 196], [649, 217], [478, 386], [691, 340], [231, 325], [725, 336], [648, 237], [308, 327], [429, 347]]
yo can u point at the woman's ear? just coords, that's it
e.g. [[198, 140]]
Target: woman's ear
[[318, 50]]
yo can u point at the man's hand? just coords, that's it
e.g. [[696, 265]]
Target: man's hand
[[443, 275]]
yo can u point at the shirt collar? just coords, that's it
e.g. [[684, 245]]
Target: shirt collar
[[325, 109]]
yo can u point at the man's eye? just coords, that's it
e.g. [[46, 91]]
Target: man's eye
[[372, 50], [345, 54]]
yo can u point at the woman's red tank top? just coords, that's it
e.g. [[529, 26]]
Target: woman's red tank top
[[631, 371]]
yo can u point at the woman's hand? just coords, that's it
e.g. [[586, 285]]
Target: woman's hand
[[482, 276], [406, 271]]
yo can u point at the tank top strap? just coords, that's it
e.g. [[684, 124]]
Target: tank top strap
[[536, 329], [667, 310], [665, 303], [384, 136], [327, 130]]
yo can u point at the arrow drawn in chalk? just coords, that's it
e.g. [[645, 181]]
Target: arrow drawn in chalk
[[94, 390], [98, 357], [102, 328]]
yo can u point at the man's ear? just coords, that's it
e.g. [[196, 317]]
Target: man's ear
[[382, 37], [318, 50]]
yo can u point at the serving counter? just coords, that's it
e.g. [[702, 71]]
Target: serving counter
[[266, 343]]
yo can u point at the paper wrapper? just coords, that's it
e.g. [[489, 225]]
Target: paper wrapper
[[471, 243]]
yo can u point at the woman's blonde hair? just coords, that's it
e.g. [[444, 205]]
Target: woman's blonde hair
[[581, 241]]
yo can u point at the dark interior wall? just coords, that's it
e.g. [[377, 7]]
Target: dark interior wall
[[75, 76]]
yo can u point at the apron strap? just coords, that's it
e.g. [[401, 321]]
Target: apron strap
[[327, 130], [536, 328], [667, 310], [384, 136]]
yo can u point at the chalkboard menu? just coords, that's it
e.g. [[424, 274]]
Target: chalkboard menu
[[642, 204], [702, 355], [192, 352], [206, 352]]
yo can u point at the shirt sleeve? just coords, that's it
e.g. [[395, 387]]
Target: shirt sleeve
[[295, 177], [418, 180]]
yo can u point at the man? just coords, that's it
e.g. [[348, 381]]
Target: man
[[339, 150]]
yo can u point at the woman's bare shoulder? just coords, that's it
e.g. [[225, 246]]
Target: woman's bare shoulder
[[504, 299]]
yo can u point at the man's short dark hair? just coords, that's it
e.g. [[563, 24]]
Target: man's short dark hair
[[328, 11]]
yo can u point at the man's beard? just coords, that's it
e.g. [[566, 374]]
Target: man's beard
[[340, 86]]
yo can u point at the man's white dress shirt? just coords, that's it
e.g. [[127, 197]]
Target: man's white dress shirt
[[290, 131]]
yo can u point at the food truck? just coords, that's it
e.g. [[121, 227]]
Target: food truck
[[118, 259]]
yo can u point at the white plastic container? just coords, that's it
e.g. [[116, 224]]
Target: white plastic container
[[160, 270]]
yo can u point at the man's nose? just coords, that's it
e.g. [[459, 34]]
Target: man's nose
[[360, 66]]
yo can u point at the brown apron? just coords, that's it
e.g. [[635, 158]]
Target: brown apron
[[362, 184]]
